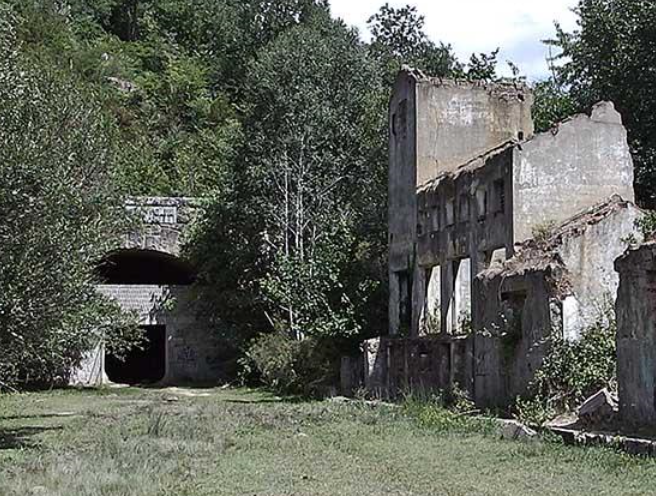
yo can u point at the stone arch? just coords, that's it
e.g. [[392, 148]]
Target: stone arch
[[147, 276], [143, 281]]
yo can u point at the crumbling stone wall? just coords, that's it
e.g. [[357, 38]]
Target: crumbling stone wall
[[636, 335], [469, 183], [518, 315], [435, 127], [557, 285], [460, 120], [581, 162], [394, 366], [160, 223]]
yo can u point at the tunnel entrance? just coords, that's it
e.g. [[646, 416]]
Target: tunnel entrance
[[145, 366], [140, 267], [133, 278]]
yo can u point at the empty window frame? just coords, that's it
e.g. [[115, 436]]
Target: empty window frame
[[499, 196], [400, 120], [404, 281], [513, 304], [449, 213], [481, 203], [463, 208]]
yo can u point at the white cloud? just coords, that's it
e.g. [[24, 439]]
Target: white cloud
[[515, 26]]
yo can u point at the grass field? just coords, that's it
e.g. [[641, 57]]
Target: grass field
[[239, 442]]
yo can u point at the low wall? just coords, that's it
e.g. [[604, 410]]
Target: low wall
[[393, 366]]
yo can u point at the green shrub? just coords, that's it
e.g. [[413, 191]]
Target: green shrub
[[571, 372], [58, 204], [306, 367]]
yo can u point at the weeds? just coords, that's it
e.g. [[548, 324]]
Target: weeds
[[449, 411], [239, 442]]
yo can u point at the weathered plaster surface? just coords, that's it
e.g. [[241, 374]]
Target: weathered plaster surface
[[457, 121], [511, 344], [589, 258], [583, 161], [567, 283]]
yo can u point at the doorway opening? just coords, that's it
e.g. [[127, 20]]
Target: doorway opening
[[141, 366]]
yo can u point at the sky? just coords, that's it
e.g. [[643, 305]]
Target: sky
[[515, 26]]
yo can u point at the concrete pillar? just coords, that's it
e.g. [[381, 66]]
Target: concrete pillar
[[394, 303], [447, 285], [636, 336], [418, 299], [480, 261]]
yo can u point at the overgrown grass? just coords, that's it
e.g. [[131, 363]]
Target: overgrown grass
[[432, 414], [236, 442]]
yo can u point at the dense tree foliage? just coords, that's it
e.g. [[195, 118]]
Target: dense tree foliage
[[399, 38], [58, 204], [306, 203]]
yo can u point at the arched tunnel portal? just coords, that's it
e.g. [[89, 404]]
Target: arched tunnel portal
[[139, 280]]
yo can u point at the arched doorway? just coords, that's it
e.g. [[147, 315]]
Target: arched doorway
[[135, 279]]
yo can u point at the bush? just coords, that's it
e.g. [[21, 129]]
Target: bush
[[571, 372], [306, 367]]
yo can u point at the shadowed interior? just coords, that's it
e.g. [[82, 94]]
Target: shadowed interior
[[144, 267]]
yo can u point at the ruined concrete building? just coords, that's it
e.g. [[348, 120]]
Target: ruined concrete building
[[497, 236], [147, 276]]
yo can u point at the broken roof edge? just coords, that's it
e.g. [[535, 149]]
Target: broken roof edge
[[471, 165], [540, 254], [602, 112], [420, 77], [637, 256]]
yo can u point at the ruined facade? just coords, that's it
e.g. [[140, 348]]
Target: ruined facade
[[148, 278], [491, 226], [560, 282]]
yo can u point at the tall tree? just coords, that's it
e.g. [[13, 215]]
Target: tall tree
[[308, 155], [58, 205], [398, 38]]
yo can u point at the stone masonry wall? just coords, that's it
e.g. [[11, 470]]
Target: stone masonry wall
[[165, 221]]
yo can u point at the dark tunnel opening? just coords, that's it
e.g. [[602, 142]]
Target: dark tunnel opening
[[135, 268], [141, 366], [138, 267]]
